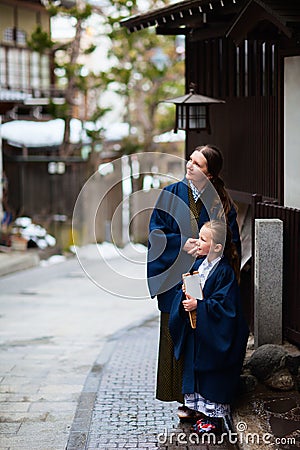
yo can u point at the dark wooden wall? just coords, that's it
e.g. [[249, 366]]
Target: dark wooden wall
[[246, 127], [34, 192]]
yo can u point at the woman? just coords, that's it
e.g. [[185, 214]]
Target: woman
[[181, 210]]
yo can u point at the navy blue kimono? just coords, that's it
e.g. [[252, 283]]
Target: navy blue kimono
[[214, 352], [169, 229]]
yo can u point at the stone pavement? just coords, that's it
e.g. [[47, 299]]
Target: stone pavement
[[118, 409]]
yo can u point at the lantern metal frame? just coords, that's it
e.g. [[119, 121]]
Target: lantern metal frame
[[192, 111]]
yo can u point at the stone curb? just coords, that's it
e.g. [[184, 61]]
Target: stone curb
[[16, 261]]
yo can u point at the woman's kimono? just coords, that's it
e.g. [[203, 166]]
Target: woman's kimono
[[213, 352]]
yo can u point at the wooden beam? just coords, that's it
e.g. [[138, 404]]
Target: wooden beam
[[169, 31], [34, 5], [253, 13], [208, 32]]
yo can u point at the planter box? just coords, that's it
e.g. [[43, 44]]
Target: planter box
[[18, 243]]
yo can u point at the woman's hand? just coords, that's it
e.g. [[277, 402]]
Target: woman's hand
[[190, 303], [191, 246]]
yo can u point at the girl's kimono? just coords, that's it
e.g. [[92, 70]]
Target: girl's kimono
[[213, 352]]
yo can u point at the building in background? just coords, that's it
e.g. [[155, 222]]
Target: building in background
[[23, 70], [35, 174]]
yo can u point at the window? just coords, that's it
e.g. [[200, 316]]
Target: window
[[21, 37], [2, 67], [8, 35], [24, 69], [14, 35], [35, 70], [13, 68], [45, 76]]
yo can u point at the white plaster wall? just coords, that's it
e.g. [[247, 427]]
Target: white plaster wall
[[292, 131]]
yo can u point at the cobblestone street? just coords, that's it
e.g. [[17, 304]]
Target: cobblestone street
[[126, 413]]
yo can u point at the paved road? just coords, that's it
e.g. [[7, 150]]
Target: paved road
[[54, 323]]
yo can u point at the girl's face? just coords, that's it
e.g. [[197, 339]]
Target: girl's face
[[206, 245], [204, 242], [196, 169]]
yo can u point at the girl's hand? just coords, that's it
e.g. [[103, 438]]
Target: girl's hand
[[190, 303]]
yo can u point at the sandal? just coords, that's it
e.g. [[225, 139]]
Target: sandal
[[207, 425]]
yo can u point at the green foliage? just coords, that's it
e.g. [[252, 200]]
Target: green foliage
[[99, 113], [58, 111], [130, 145], [79, 13], [40, 40], [52, 9], [90, 50], [94, 135], [95, 132]]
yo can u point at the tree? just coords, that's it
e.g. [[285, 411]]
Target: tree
[[67, 60], [146, 69]]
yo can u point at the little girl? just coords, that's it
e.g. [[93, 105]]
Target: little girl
[[214, 351]]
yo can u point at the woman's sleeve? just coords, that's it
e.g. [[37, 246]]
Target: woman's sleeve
[[178, 324], [164, 247]]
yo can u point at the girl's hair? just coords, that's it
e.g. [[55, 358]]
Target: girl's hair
[[214, 160], [221, 234]]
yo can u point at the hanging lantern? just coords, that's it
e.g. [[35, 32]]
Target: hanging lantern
[[192, 111]]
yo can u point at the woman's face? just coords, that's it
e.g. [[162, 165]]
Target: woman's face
[[196, 169]]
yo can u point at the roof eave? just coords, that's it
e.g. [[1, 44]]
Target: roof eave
[[169, 14]]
